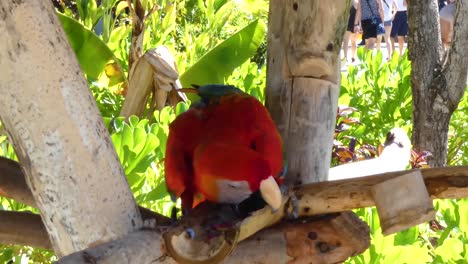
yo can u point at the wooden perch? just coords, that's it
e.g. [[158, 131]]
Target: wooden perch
[[312, 199], [397, 214], [13, 183], [286, 234], [15, 225], [338, 196], [23, 228], [343, 195], [316, 240]]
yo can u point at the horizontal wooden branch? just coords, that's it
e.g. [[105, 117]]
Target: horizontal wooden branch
[[309, 200], [343, 195], [23, 228], [13, 183], [27, 228], [138, 247]]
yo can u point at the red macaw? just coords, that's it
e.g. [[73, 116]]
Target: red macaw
[[223, 149]]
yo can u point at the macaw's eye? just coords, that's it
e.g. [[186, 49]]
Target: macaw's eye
[[233, 185], [190, 233], [253, 145]]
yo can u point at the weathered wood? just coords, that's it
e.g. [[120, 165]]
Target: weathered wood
[[279, 81], [311, 126], [306, 241], [303, 82], [397, 214], [449, 182], [343, 195], [303, 77], [27, 229], [24, 229], [324, 241], [327, 197], [138, 247], [52, 120], [13, 182]]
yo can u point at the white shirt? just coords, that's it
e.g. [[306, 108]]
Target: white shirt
[[400, 6], [387, 9]]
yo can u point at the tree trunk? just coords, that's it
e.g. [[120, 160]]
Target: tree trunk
[[303, 81], [438, 80], [52, 120]]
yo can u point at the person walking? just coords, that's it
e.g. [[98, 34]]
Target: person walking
[[389, 11], [370, 14], [349, 34], [447, 18], [400, 25]]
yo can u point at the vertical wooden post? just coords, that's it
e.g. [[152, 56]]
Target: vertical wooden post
[[62, 143], [303, 80]]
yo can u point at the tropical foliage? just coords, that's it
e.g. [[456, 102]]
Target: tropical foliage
[[224, 41]]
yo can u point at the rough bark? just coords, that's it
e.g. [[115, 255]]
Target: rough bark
[[438, 81], [303, 80], [52, 120]]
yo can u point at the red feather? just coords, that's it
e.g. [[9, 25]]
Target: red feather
[[230, 137]]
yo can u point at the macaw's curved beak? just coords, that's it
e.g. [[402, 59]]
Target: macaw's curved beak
[[271, 193]]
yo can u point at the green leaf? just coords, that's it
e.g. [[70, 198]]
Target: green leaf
[[407, 237], [120, 7], [139, 138], [181, 107], [377, 60], [411, 254], [133, 120], [218, 63], [451, 249], [116, 36], [141, 165], [156, 194], [92, 53]]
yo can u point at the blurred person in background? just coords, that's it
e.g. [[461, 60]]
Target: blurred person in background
[[389, 11], [370, 14], [349, 34], [447, 17], [399, 25]]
